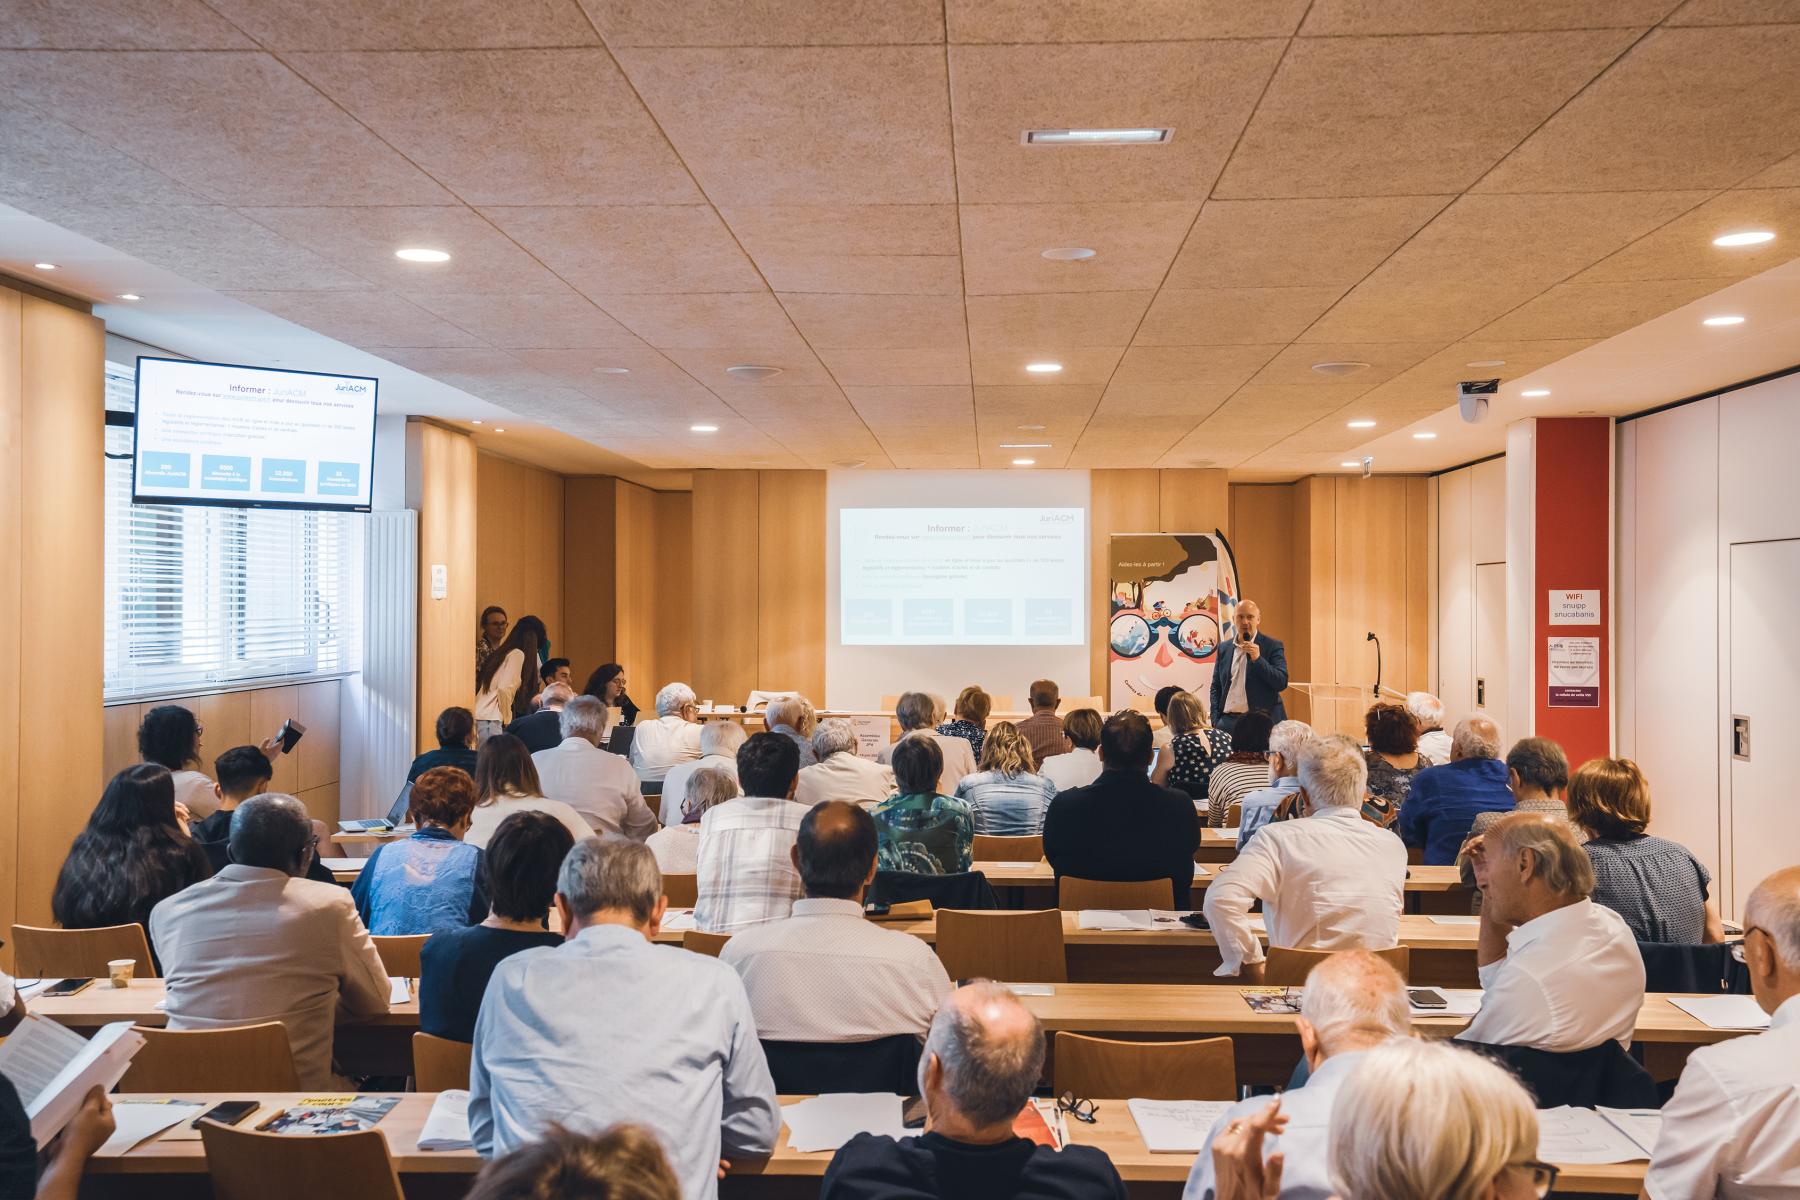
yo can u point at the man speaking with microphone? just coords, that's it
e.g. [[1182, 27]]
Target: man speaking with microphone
[[1250, 671]]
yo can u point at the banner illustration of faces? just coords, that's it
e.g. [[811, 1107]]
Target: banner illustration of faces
[[1172, 599]]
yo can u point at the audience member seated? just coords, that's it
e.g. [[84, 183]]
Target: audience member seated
[[1195, 748], [431, 880], [240, 773], [674, 736], [601, 787], [1006, 797], [625, 1162], [792, 717], [607, 685], [542, 730], [746, 871], [1732, 1128], [1428, 714], [506, 782], [981, 1063], [918, 715], [1246, 770], [519, 868], [682, 1057], [507, 678], [1043, 728], [1329, 881], [556, 670], [719, 742], [131, 855], [1353, 1003], [1287, 741], [840, 773], [170, 737], [1079, 763], [1164, 735], [68, 1154], [879, 982], [1537, 771], [971, 714], [1393, 758], [456, 745], [259, 942], [922, 831], [677, 846], [1446, 799], [1123, 827], [1655, 884], [1559, 972]]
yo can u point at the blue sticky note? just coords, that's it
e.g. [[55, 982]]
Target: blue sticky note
[[339, 479], [224, 473], [284, 475], [160, 468]]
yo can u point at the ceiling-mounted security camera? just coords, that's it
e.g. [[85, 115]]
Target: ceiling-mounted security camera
[[1368, 465], [1472, 396]]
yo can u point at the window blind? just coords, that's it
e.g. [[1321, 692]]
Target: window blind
[[201, 597]]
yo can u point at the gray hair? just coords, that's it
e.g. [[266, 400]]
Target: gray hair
[[1559, 859], [915, 711], [834, 735], [583, 717], [706, 787], [555, 693], [1289, 739], [722, 737], [784, 710], [1476, 736], [673, 698], [988, 1075], [1541, 763], [1774, 908], [270, 831], [1426, 709], [1353, 998], [1332, 771], [610, 872]]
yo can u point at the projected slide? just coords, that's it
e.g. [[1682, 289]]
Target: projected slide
[[214, 434], [961, 576]]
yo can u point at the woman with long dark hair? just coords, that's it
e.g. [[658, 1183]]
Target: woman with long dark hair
[[508, 678], [131, 856], [607, 685], [506, 782], [169, 737]]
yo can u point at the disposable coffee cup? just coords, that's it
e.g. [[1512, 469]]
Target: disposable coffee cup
[[119, 970]]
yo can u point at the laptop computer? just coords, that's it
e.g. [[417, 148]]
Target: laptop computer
[[395, 817]]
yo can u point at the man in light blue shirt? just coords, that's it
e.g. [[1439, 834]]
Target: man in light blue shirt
[[1353, 1003], [1286, 741], [609, 1027]]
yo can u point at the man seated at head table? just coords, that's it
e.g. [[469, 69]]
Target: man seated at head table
[[719, 742], [675, 1048], [1329, 881], [982, 1060], [745, 869], [838, 772], [1732, 1128], [1558, 972], [880, 982], [600, 786], [258, 942], [1353, 1002], [1444, 800]]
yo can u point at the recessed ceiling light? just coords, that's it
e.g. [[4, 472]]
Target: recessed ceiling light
[[421, 254], [1750, 237], [1423, 437], [129, 296], [612, 370], [752, 372], [703, 429], [849, 464], [1364, 424], [1024, 445], [1534, 393], [476, 421], [1486, 362], [1731, 319], [1043, 368], [499, 431], [1350, 464], [45, 266], [1031, 428], [1068, 254], [1096, 137], [1339, 368], [1024, 462]]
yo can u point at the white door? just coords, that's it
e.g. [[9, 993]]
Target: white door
[[1490, 640], [1765, 663]]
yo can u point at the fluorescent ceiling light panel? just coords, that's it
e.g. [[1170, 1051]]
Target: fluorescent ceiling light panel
[[1096, 137], [1750, 237], [420, 254], [1724, 320]]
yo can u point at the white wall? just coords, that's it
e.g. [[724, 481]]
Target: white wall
[[1471, 533]]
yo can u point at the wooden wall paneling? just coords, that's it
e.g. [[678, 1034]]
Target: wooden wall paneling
[[441, 481], [519, 542], [1119, 501], [269, 708], [1312, 639], [637, 590], [674, 516], [119, 726], [589, 565], [791, 568], [12, 584], [1419, 576], [1262, 539], [726, 595], [1372, 587], [1194, 500], [322, 804]]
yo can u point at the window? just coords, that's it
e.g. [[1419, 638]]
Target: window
[[199, 597]]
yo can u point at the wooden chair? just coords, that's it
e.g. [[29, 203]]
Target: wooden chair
[[1018, 947], [400, 955], [1069, 704], [992, 847], [1074, 893], [1234, 814], [1092, 1067], [683, 891], [708, 944], [246, 1165], [440, 1064], [248, 1058], [79, 953], [1289, 968]]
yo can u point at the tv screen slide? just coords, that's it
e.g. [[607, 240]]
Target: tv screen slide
[[961, 576], [208, 433]]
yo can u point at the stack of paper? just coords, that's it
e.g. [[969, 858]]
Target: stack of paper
[[1175, 1126], [137, 1121], [826, 1122], [1582, 1135], [1030, 989], [1723, 1012], [399, 990], [447, 1128], [1453, 919], [1114, 918], [678, 920]]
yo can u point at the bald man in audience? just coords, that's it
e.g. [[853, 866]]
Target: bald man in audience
[[1353, 1003], [1446, 799], [1732, 1128], [1558, 972]]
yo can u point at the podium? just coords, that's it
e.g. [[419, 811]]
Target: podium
[[1330, 707]]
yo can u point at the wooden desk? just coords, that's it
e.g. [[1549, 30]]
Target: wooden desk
[[1039, 874]]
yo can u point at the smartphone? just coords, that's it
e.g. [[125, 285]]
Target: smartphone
[[290, 734], [1195, 920], [1426, 998], [67, 987], [227, 1112], [912, 1116], [876, 908]]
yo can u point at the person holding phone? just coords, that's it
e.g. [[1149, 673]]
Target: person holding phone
[[170, 737], [1250, 671]]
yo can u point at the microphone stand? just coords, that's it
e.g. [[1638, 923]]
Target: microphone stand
[[1372, 638]]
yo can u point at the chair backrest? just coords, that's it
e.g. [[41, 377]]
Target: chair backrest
[[249, 1058], [1073, 892], [440, 1064], [1017, 947], [79, 953], [994, 847], [1600, 1075], [708, 944], [1672, 967], [683, 891], [1092, 1067], [400, 954], [1069, 704], [1289, 968], [246, 1165], [965, 889], [651, 787], [889, 1064], [1234, 814]]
